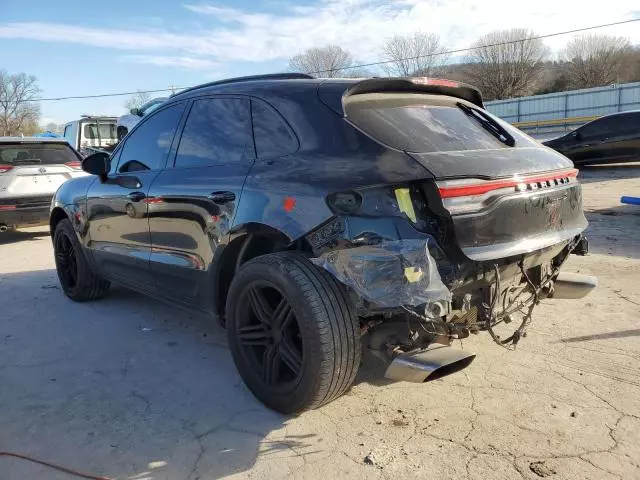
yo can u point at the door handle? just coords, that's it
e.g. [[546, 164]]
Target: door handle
[[136, 196], [222, 197]]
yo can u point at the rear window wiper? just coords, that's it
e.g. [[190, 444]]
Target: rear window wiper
[[489, 124]]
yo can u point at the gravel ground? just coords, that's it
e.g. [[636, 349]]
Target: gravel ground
[[131, 389]]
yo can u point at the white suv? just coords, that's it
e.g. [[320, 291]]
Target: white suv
[[31, 170]]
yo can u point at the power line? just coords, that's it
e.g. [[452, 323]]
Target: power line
[[566, 32], [100, 95], [362, 65]]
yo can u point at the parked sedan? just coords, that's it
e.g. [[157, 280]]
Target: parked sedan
[[31, 170], [610, 139]]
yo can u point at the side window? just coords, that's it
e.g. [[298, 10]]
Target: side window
[[629, 123], [272, 136], [67, 135], [115, 157], [146, 148], [217, 132], [599, 129]]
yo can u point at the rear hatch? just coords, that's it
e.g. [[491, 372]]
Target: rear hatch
[[505, 193], [36, 169]]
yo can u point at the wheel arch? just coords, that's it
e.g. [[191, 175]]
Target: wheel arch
[[246, 242], [57, 215]]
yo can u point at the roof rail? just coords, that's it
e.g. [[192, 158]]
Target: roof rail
[[268, 76]]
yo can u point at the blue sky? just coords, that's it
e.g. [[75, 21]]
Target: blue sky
[[118, 46]]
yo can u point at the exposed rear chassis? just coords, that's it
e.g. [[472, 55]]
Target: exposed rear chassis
[[409, 310]]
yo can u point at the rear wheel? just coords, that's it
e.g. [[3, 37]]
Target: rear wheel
[[293, 332], [76, 277]]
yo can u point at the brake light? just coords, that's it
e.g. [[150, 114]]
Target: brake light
[[7, 207], [74, 165], [434, 81], [5, 168], [480, 187], [470, 195]]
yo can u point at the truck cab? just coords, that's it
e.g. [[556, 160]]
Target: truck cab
[[91, 133]]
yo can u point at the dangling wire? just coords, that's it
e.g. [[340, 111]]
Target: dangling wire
[[422, 322]]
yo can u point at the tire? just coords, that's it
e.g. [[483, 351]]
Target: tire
[[314, 338], [77, 279]]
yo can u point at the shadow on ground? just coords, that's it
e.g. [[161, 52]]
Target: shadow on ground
[[602, 336], [14, 236], [124, 386]]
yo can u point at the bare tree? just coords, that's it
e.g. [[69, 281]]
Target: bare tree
[[595, 60], [415, 54], [330, 61], [506, 63], [19, 112], [137, 100], [54, 128]]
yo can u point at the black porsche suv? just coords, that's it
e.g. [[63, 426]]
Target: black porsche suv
[[317, 218]]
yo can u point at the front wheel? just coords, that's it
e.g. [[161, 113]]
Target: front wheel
[[293, 332], [77, 279]]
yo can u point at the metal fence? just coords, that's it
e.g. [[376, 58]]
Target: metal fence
[[559, 112]]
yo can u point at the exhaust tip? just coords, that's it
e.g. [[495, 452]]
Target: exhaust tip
[[3, 228], [428, 364], [451, 368]]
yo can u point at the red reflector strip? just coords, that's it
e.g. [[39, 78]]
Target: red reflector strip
[[153, 200], [488, 186], [289, 204], [7, 207], [74, 165], [5, 168]]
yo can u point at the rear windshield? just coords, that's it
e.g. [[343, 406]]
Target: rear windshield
[[36, 154], [425, 123], [107, 131]]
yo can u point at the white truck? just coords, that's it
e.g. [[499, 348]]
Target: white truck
[[91, 133]]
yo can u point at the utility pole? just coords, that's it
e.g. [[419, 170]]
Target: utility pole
[[172, 88]]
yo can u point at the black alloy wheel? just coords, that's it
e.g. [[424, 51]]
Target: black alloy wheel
[[293, 332], [66, 261], [269, 336], [77, 279]]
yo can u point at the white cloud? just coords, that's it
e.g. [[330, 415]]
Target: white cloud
[[167, 61], [358, 25]]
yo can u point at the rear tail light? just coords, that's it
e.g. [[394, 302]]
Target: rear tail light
[[5, 168], [468, 195], [4, 208], [74, 165]]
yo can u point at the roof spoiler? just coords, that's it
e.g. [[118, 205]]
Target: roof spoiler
[[335, 94]]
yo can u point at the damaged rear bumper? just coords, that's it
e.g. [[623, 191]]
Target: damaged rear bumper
[[390, 273]]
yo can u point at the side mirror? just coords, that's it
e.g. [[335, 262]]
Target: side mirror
[[136, 112], [97, 163]]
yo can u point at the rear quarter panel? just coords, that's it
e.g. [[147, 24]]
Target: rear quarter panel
[[288, 193], [71, 198]]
